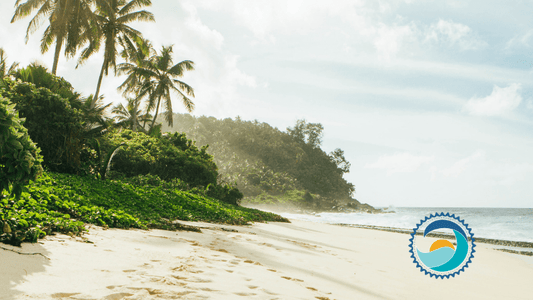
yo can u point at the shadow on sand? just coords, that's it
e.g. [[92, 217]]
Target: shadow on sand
[[15, 268]]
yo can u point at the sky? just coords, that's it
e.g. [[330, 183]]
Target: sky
[[432, 101]]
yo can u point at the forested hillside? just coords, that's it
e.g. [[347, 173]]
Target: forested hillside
[[273, 166]]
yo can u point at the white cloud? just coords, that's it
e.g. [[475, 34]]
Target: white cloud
[[194, 24], [518, 41], [390, 38], [461, 165], [453, 34], [500, 102], [399, 163]]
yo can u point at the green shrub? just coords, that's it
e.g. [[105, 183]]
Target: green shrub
[[52, 124], [169, 157], [42, 78], [20, 160]]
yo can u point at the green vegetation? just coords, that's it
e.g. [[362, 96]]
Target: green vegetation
[[111, 23], [155, 77], [272, 166], [20, 160], [70, 23], [62, 203], [123, 171], [60, 135]]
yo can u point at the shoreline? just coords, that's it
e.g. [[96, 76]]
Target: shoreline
[[298, 260], [498, 242], [492, 241]]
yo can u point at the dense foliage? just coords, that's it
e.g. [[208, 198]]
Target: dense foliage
[[265, 161], [20, 160], [52, 123], [62, 203], [169, 157]]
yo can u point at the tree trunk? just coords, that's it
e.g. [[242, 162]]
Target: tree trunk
[[156, 112], [59, 43], [95, 98], [134, 119]]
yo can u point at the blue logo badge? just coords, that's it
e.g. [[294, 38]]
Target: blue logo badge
[[442, 258]]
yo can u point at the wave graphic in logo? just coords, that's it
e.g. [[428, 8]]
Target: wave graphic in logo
[[443, 259]]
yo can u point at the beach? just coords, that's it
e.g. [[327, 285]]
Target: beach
[[297, 260]]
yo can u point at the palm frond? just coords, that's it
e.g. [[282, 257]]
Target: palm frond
[[134, 4], [142, 15], [185, 87], [179, 68]]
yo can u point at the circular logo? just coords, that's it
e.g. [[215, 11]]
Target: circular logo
[[442, 258]]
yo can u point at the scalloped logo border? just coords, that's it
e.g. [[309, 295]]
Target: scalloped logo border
[[427, 270]]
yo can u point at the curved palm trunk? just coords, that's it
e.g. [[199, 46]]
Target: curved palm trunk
[[95, 98], [59, 44], [156, 112]]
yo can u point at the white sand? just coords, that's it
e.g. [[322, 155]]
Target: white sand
[[301, 260]]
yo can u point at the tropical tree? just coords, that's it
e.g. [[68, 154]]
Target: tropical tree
[[155, 78], [130, 116], [96, 122], [136, 53], [113, 17], [71, 22], [4, 70]]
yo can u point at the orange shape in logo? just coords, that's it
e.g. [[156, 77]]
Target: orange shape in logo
[[441, 243]]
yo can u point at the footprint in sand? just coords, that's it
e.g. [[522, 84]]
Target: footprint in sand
[[229, 271], [252, 287], [293, 279], [312, 288], [171, 281], [117, 296], [268, 292], [245, 294], [63, 295], [128, 271], [154, 291], [271, 270], [322, 298], [184, 293]]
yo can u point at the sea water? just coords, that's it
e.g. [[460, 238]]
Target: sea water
[[511, 224]]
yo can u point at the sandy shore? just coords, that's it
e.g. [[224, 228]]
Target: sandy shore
[[301, 260]]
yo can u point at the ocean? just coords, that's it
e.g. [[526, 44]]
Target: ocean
[[511, 224]]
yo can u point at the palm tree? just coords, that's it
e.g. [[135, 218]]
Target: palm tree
[[157, 79], [70, 23], [4, 70], [130, 116], [112, 17], [94, 115], [135, 53]]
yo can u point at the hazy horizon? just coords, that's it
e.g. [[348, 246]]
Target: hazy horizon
[[432, 102]]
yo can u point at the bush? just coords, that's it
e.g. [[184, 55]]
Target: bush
[[52, 124], [169, 157], [20, 160]]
